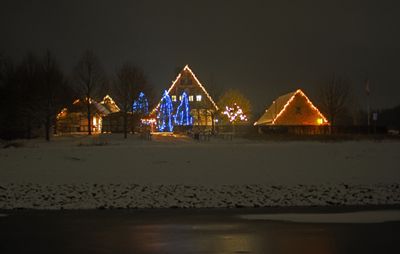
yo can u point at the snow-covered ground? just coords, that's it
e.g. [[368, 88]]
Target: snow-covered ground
[[107, 171]]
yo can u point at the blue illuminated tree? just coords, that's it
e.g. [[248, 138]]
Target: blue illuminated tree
[[164, 116], [182, 115], [141, 105]]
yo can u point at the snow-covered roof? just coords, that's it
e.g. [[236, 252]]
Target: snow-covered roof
[[100, 107], [79, 105], [110, 104]]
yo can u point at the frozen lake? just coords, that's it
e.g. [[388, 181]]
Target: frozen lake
[[193, 231]]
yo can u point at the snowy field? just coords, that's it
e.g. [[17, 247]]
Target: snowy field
[[107, 171]]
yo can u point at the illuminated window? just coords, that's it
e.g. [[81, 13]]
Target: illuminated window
[[198, 97], [190, 97], [173, 97], [320, 120], [180, 97]]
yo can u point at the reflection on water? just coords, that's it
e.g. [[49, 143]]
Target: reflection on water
[[231, 238]]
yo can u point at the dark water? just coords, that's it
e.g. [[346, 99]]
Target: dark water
[[186, 231]]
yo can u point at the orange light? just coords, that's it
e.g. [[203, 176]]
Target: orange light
[[323, 119]]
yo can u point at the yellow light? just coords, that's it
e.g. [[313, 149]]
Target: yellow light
[[62, 113], [320, 121], [108, 99]]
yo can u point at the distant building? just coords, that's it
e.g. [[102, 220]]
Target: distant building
[[74, 118], [202, 105], [292, 109]]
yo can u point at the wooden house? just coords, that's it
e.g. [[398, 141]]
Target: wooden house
[[74, 118], [292, 109], [202, 105]]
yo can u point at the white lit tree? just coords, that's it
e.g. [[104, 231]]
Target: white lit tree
[[235, 114]]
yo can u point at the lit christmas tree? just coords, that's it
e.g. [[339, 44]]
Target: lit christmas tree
[[164, 116], [182, 115], [235, 114], [141, 105]]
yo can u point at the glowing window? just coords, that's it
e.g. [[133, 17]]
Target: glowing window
[[198, 97], [320, 120], [180, 97], [190, 97], [173, 97]]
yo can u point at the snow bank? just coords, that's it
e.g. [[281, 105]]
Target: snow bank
[[87, 196], [107, 171]]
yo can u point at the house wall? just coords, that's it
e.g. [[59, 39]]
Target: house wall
[[298, 112], [201, 111], [77, 122]]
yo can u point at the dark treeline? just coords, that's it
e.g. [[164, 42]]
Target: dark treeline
[[32, 92], [35, 89]]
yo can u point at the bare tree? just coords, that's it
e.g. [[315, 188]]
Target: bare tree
[[89, 77], [28, 78], [8, 114], [334, 97], [129, 81], [54, 89]]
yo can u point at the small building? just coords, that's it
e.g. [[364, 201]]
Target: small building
[[74, 118], [202, 105], [292, 109]]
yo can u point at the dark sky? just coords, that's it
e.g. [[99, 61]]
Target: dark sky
[[264, 48]]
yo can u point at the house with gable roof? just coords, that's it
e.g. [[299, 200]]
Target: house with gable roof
[[292, 109], [202, 106]]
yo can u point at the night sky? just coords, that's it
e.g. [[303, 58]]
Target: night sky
[[264, 48]]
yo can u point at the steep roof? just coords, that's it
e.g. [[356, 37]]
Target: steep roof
[[279, 105], [175, 82], [110, 104]]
